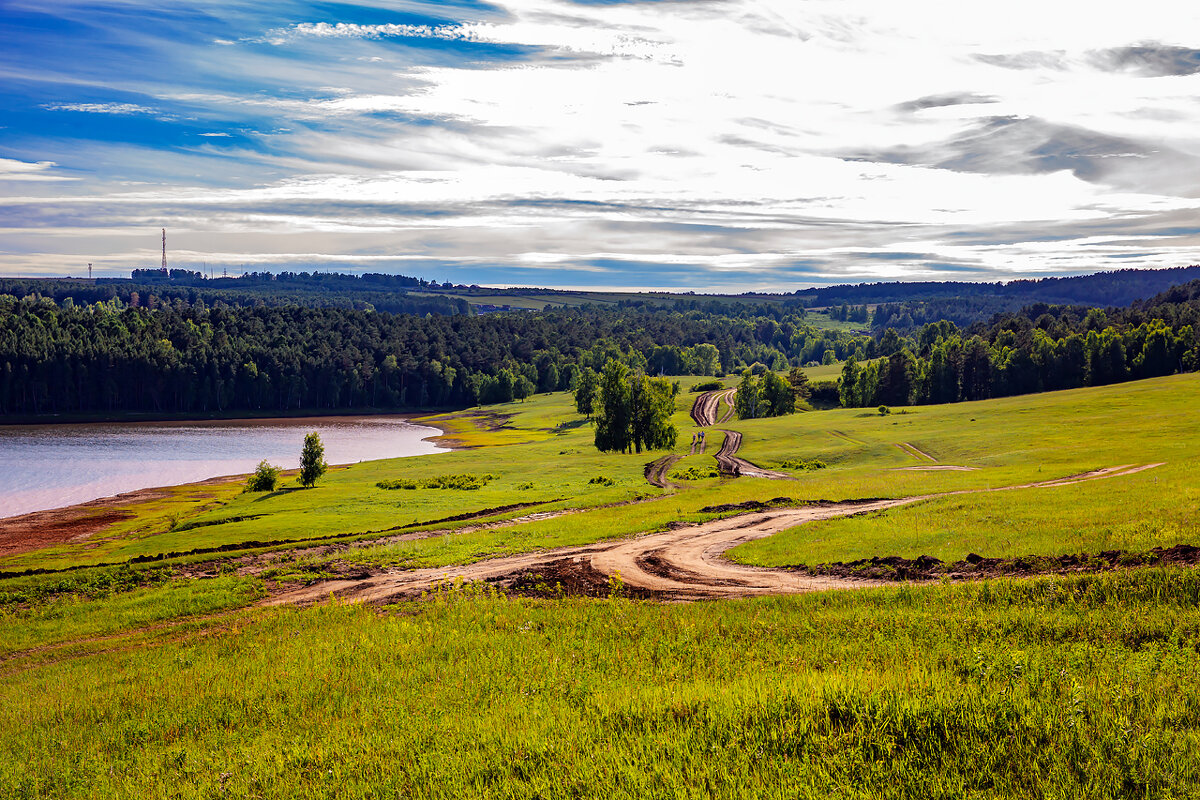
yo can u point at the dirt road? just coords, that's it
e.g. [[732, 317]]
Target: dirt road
[[731, 465], [656, 472], [705, 412], [680, 564], [708, 404]]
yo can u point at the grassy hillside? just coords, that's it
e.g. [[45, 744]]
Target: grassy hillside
[[169, 680], [1068, 688], [540, 456]]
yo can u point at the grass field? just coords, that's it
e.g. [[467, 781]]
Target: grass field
[[540, 455], [1079, 687], [168, 680]]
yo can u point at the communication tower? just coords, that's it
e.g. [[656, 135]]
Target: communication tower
[[89, 270], [164, 264]]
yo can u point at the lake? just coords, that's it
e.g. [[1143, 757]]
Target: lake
[[50, 466]]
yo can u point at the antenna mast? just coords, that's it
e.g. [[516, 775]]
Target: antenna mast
[[89, 270], [164, 230]]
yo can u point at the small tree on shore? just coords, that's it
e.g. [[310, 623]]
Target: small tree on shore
[[264, 479], [312, 460]]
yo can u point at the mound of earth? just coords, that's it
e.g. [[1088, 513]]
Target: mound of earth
[[898, 568]]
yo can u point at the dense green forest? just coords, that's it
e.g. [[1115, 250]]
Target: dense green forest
[[1040, 348], [1113, 288], [182, 288], [110, 357], [164, 346]]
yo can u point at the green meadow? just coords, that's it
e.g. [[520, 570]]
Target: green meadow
[[541, 459], [1078, 687], [168, 679]]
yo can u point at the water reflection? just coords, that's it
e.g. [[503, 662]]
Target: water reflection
[[49, 466]]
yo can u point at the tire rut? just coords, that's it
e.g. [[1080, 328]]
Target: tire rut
[[656, 472], [685, 563]]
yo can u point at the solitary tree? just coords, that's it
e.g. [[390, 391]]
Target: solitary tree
[[312, 460], [748, 398], [611, 408]]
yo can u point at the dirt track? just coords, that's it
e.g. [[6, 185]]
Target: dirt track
[[681, 564], [731, 465], [656, 472], [708, 404], [704, 412]]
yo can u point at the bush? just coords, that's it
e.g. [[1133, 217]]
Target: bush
[[708, 386], [602, 481], [796, 463], [824, 394], [695, 474], [264, 478], [464, 481]]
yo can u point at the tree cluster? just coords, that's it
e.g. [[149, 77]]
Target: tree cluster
[[632, 411], [765, 394], [943, 365]]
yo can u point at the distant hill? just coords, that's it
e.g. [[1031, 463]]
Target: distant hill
[[1116, 288]]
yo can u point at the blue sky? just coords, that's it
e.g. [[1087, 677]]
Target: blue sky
[[699, 144]]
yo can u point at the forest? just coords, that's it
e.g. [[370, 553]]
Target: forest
[[183, 288], [108, 357], [82, 348], [1040, 348]]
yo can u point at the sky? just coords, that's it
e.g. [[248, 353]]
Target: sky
[[711, 145]]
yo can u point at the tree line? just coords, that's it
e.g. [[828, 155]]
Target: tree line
[[110, 356], [247, 291], [1040, 349]]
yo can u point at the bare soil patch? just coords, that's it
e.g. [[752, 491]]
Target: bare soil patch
[[897, 568]]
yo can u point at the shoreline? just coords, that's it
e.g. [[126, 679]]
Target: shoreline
[[55, 514], [147, 417]]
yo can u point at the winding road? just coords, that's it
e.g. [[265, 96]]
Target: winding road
[[705, 413], [684, 563]]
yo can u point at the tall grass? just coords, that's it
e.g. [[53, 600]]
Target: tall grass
[[1079, 687]]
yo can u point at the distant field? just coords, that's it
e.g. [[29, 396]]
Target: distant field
[[539, 302]]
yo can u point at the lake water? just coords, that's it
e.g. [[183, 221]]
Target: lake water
[[50, 466]]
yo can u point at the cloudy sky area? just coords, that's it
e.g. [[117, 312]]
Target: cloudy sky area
[[699, 144]]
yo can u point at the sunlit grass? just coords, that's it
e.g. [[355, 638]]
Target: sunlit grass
[[1080, 687]]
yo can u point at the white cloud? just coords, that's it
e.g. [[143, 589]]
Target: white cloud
[[14, 170], [101, 108], [721, 135]]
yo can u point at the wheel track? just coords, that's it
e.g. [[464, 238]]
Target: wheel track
[[704, 412], [683, 564], [656, 472]]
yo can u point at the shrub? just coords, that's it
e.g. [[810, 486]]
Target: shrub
[[602, 480], [695, 474], [464, 482], [824, 394], [796, 463], [708, 386], [397, 484], [264, 478]]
